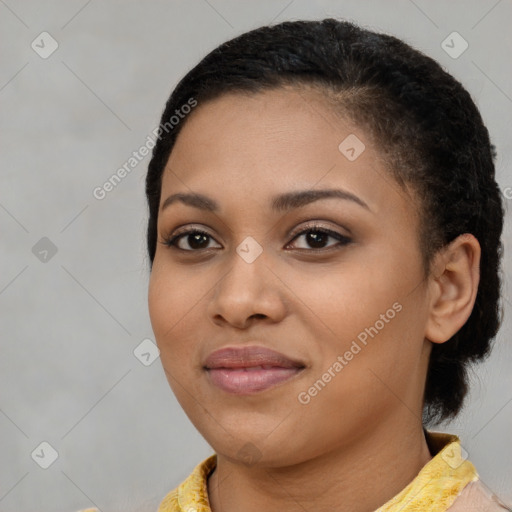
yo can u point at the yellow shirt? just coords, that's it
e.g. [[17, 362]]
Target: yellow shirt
[[447, 481]]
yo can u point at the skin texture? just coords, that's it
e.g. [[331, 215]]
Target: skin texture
[[365, 424]]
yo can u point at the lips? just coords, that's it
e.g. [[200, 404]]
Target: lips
[[247, 370], [249, 357]]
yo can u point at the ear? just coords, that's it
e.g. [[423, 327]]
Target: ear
[[453, 285]]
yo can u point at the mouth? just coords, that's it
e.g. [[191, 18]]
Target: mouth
[[249, 370]]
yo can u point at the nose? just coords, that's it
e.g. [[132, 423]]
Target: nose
[[246, 293]]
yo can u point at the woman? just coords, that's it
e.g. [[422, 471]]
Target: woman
[[324, 239]]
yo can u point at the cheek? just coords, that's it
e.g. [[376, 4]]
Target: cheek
[[173, 302], [371, 314], [173, 309], [172, 296], [341, 303], [382, 356]]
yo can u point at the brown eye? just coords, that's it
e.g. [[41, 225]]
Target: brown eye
[[196, 240], [316, 238]]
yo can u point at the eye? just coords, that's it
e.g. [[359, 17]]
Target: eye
[[317, 237], [195, 238]]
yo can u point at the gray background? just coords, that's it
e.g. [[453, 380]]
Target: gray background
[[70, 323]]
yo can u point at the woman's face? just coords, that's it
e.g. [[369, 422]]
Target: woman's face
[[332, 283]]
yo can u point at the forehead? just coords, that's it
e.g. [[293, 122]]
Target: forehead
[[257, 145], [271, 123]]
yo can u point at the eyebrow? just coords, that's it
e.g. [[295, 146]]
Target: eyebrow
[[279, 203]]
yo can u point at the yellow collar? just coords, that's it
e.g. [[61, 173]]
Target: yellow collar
[[439, 482], [435, 487]]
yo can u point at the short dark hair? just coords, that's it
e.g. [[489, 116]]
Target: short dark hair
[[423, 121]]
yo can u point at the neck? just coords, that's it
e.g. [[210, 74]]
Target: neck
[[359, 478]]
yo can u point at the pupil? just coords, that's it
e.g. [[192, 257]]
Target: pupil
[[198, 240], [316, 238]]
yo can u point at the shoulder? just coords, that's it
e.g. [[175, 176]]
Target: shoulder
[[476, 498], [192, 493], [170, 502]]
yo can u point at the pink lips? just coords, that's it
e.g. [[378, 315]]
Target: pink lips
[[247, 370]]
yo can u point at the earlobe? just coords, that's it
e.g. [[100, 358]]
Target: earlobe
[[453, 286]]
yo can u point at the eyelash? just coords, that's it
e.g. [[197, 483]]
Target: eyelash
[[342, 240]]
